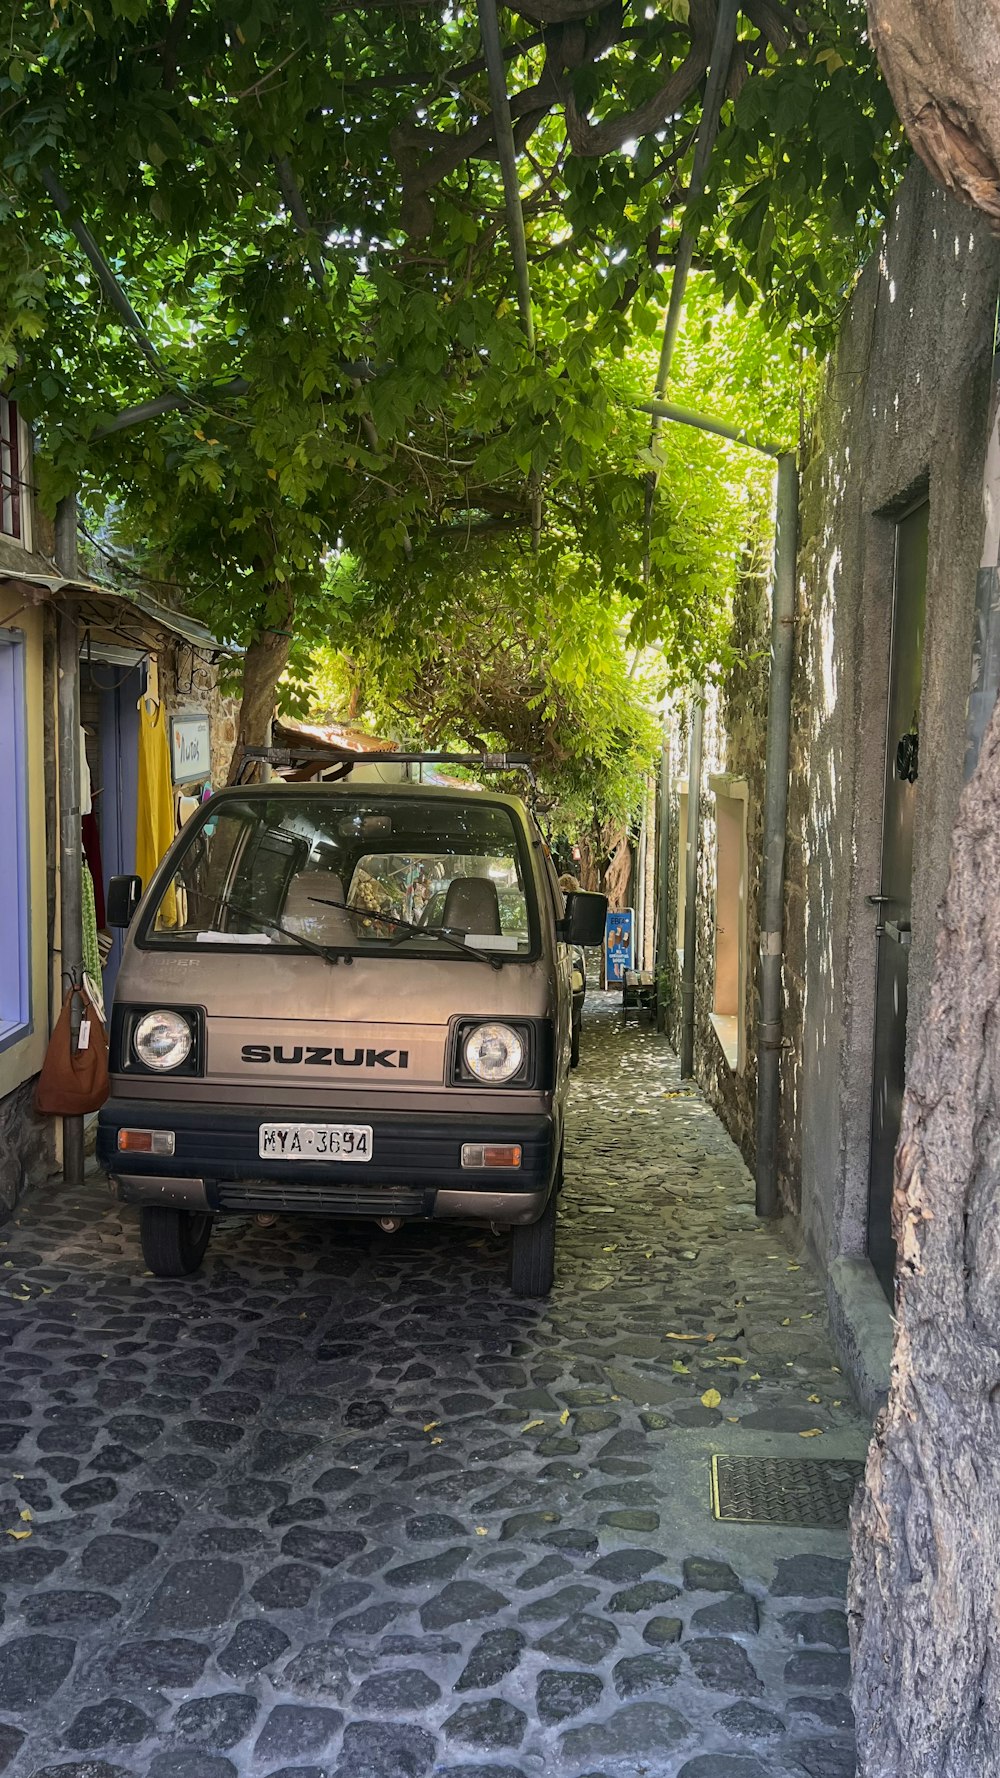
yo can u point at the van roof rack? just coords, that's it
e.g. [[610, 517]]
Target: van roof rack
[[348, 759]]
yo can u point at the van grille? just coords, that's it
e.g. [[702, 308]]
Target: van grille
[[328, 1200]]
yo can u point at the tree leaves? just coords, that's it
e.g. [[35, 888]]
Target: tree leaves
[[390, 510]]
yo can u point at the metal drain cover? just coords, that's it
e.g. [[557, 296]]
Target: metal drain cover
[[811, 1491]]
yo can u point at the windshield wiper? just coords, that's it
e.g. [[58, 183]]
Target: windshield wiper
[[407, 927], [329, 953]]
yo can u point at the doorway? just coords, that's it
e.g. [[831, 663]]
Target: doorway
[[896, 876], [111, 685]]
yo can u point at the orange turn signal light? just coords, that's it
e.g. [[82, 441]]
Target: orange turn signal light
[[480, 1154], [145, 1141]]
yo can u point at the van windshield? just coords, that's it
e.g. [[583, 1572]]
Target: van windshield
[[351, 874]]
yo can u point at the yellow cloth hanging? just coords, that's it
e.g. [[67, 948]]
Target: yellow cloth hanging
[[155, 824]]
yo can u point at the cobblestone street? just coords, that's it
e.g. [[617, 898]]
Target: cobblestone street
[[340, 1507]]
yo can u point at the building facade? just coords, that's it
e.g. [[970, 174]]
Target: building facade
[[131, 647], [891, 540]]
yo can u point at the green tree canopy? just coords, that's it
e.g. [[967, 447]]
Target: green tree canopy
[[565, 652], [304, 206]]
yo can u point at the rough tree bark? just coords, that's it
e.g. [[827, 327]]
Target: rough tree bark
[[263, 664], [941, 59], [925, 1580], [606, 862]]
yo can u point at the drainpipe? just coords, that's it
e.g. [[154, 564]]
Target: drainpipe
[[722, 51], [691, 891], [663, 934], [775, 803], [772, 901], [986, 645], [70, 843]]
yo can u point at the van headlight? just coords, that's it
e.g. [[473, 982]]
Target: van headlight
[[162, 1040], [493, 1052]]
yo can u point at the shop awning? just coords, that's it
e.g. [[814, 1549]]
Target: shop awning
[[337, 738], [110, 614]]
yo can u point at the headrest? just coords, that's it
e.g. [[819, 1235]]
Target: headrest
[[472, 905]]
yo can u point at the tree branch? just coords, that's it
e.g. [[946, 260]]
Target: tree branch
[[593, 140]]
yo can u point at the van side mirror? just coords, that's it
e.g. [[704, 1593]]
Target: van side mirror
[[124, 896], [585, 918]]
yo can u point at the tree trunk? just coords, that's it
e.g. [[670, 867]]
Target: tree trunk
[[606, 862], [925, 1581], [619, 869], [941, 59], [263, 664]]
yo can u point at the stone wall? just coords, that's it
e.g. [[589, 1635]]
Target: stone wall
[[735, 728], [27, 1145], [903, 417], [190, 682]]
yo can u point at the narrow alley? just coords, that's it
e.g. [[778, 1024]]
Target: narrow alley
[[340, 1507]]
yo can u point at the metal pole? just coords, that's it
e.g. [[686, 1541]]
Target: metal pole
[[649, 918], [105, 276], [691, 890], [662, 949], [986, 642], [503, 135], [70, 841], [775, 808], [166, 404], [708, 129], [686, 416], [640, 899]]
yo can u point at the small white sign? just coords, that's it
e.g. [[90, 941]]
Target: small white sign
[[190, 748]]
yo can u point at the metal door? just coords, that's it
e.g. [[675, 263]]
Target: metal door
[[893, 896]]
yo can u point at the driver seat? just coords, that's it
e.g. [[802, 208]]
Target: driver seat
[[305, 911]]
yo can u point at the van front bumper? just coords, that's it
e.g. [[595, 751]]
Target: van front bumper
[[415, 1171]]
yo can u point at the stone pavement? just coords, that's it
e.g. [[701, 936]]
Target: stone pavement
[[340, 1507]]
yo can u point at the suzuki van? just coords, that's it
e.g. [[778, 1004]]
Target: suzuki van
[[345, 999]]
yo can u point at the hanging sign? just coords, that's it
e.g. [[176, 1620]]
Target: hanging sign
[[190, 749], [618, 941]]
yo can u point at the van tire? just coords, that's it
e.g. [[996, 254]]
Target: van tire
[[574, 1043], [173, 1241], [533, 1254]]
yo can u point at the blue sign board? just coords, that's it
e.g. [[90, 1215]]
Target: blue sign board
[[618, 946]]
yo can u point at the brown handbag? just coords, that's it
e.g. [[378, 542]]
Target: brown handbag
[[74, 1081]]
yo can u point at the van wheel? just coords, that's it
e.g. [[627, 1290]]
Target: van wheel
[[173, 1241], [574, 1044], [533, 1254]]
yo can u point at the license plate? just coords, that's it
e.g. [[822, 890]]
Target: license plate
[[315, 1142]]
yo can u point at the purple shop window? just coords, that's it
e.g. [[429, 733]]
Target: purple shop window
[[10, 470], [15, 922]]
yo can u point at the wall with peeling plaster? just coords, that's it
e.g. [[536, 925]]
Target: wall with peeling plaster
[[903, 416]]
